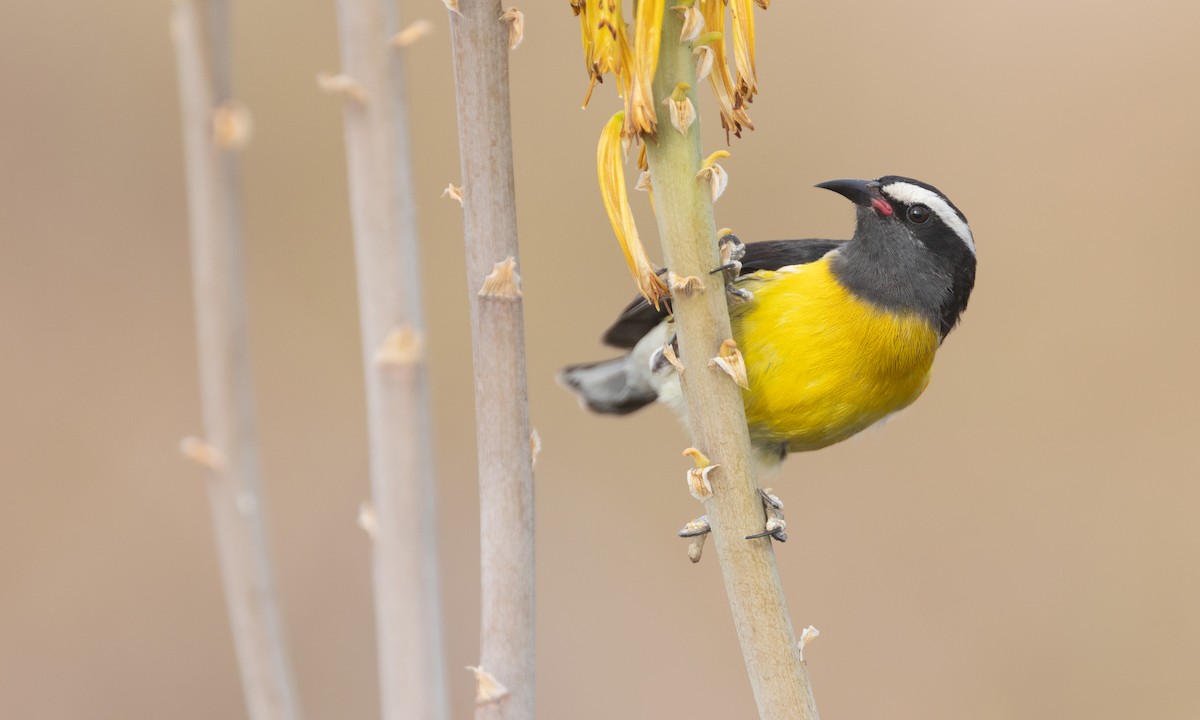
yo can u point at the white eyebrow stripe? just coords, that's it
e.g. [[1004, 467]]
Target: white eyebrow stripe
[[910, 194]]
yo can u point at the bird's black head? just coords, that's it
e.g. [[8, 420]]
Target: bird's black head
[[912, 248], [898, 207]]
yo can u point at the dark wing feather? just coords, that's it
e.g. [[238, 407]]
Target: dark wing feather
[[640, 317]]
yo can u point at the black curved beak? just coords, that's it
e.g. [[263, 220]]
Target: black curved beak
[[859, 192]]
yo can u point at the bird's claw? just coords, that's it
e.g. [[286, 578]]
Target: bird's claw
[[776, 526], [731, 248], [739, 294], [659, 360], [731, 251]]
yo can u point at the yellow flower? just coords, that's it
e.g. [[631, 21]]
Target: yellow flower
[[610, 161], [647, 36], [729, 100], [605, 47], [743, 48]]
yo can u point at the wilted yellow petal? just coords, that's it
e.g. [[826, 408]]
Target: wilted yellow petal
[[605, 47], [647, 34], [697, 457], [733, 114], [715, 156], [743, 48], [610, 168]]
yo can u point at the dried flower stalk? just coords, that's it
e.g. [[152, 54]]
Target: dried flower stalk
[[480, 46], [214, 127], [402, 517]]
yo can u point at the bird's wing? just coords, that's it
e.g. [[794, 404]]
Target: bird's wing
[[640, 317]]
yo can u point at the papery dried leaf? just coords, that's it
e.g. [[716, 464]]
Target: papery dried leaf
[[368, 520], [502, 282], [233, 126], [516, 26], [685, 286], [704, 61], [717, 179], [693, 22], [668, 352], [201, 453], [454, 193], [535, 447], [411, 34], [730, 360], [403, 346], [488, 689], [807, 635], [682, 113], [343, 85], [698, 482]]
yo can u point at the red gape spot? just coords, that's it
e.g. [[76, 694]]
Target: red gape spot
[[882, 206]]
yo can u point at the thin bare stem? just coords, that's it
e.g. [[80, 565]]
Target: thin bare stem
[[383, 212], [230, 450], [717, 417], [481, 45]]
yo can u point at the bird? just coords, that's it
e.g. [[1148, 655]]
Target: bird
[[836, 335]]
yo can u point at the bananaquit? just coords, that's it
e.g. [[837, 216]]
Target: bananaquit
[[836, 334]]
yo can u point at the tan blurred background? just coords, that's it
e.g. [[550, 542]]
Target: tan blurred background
[[1022, 543]]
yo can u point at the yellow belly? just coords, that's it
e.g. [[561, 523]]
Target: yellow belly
[[823, 365]]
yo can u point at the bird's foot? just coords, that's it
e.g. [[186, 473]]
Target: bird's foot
[[776, 526], [665, 356], [732, 250]]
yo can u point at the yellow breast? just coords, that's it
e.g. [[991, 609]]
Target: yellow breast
[[822, 364]]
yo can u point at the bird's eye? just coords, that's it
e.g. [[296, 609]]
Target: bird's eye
[[919, 214]]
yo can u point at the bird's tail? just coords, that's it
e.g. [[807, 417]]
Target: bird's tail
[[609, 386]]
